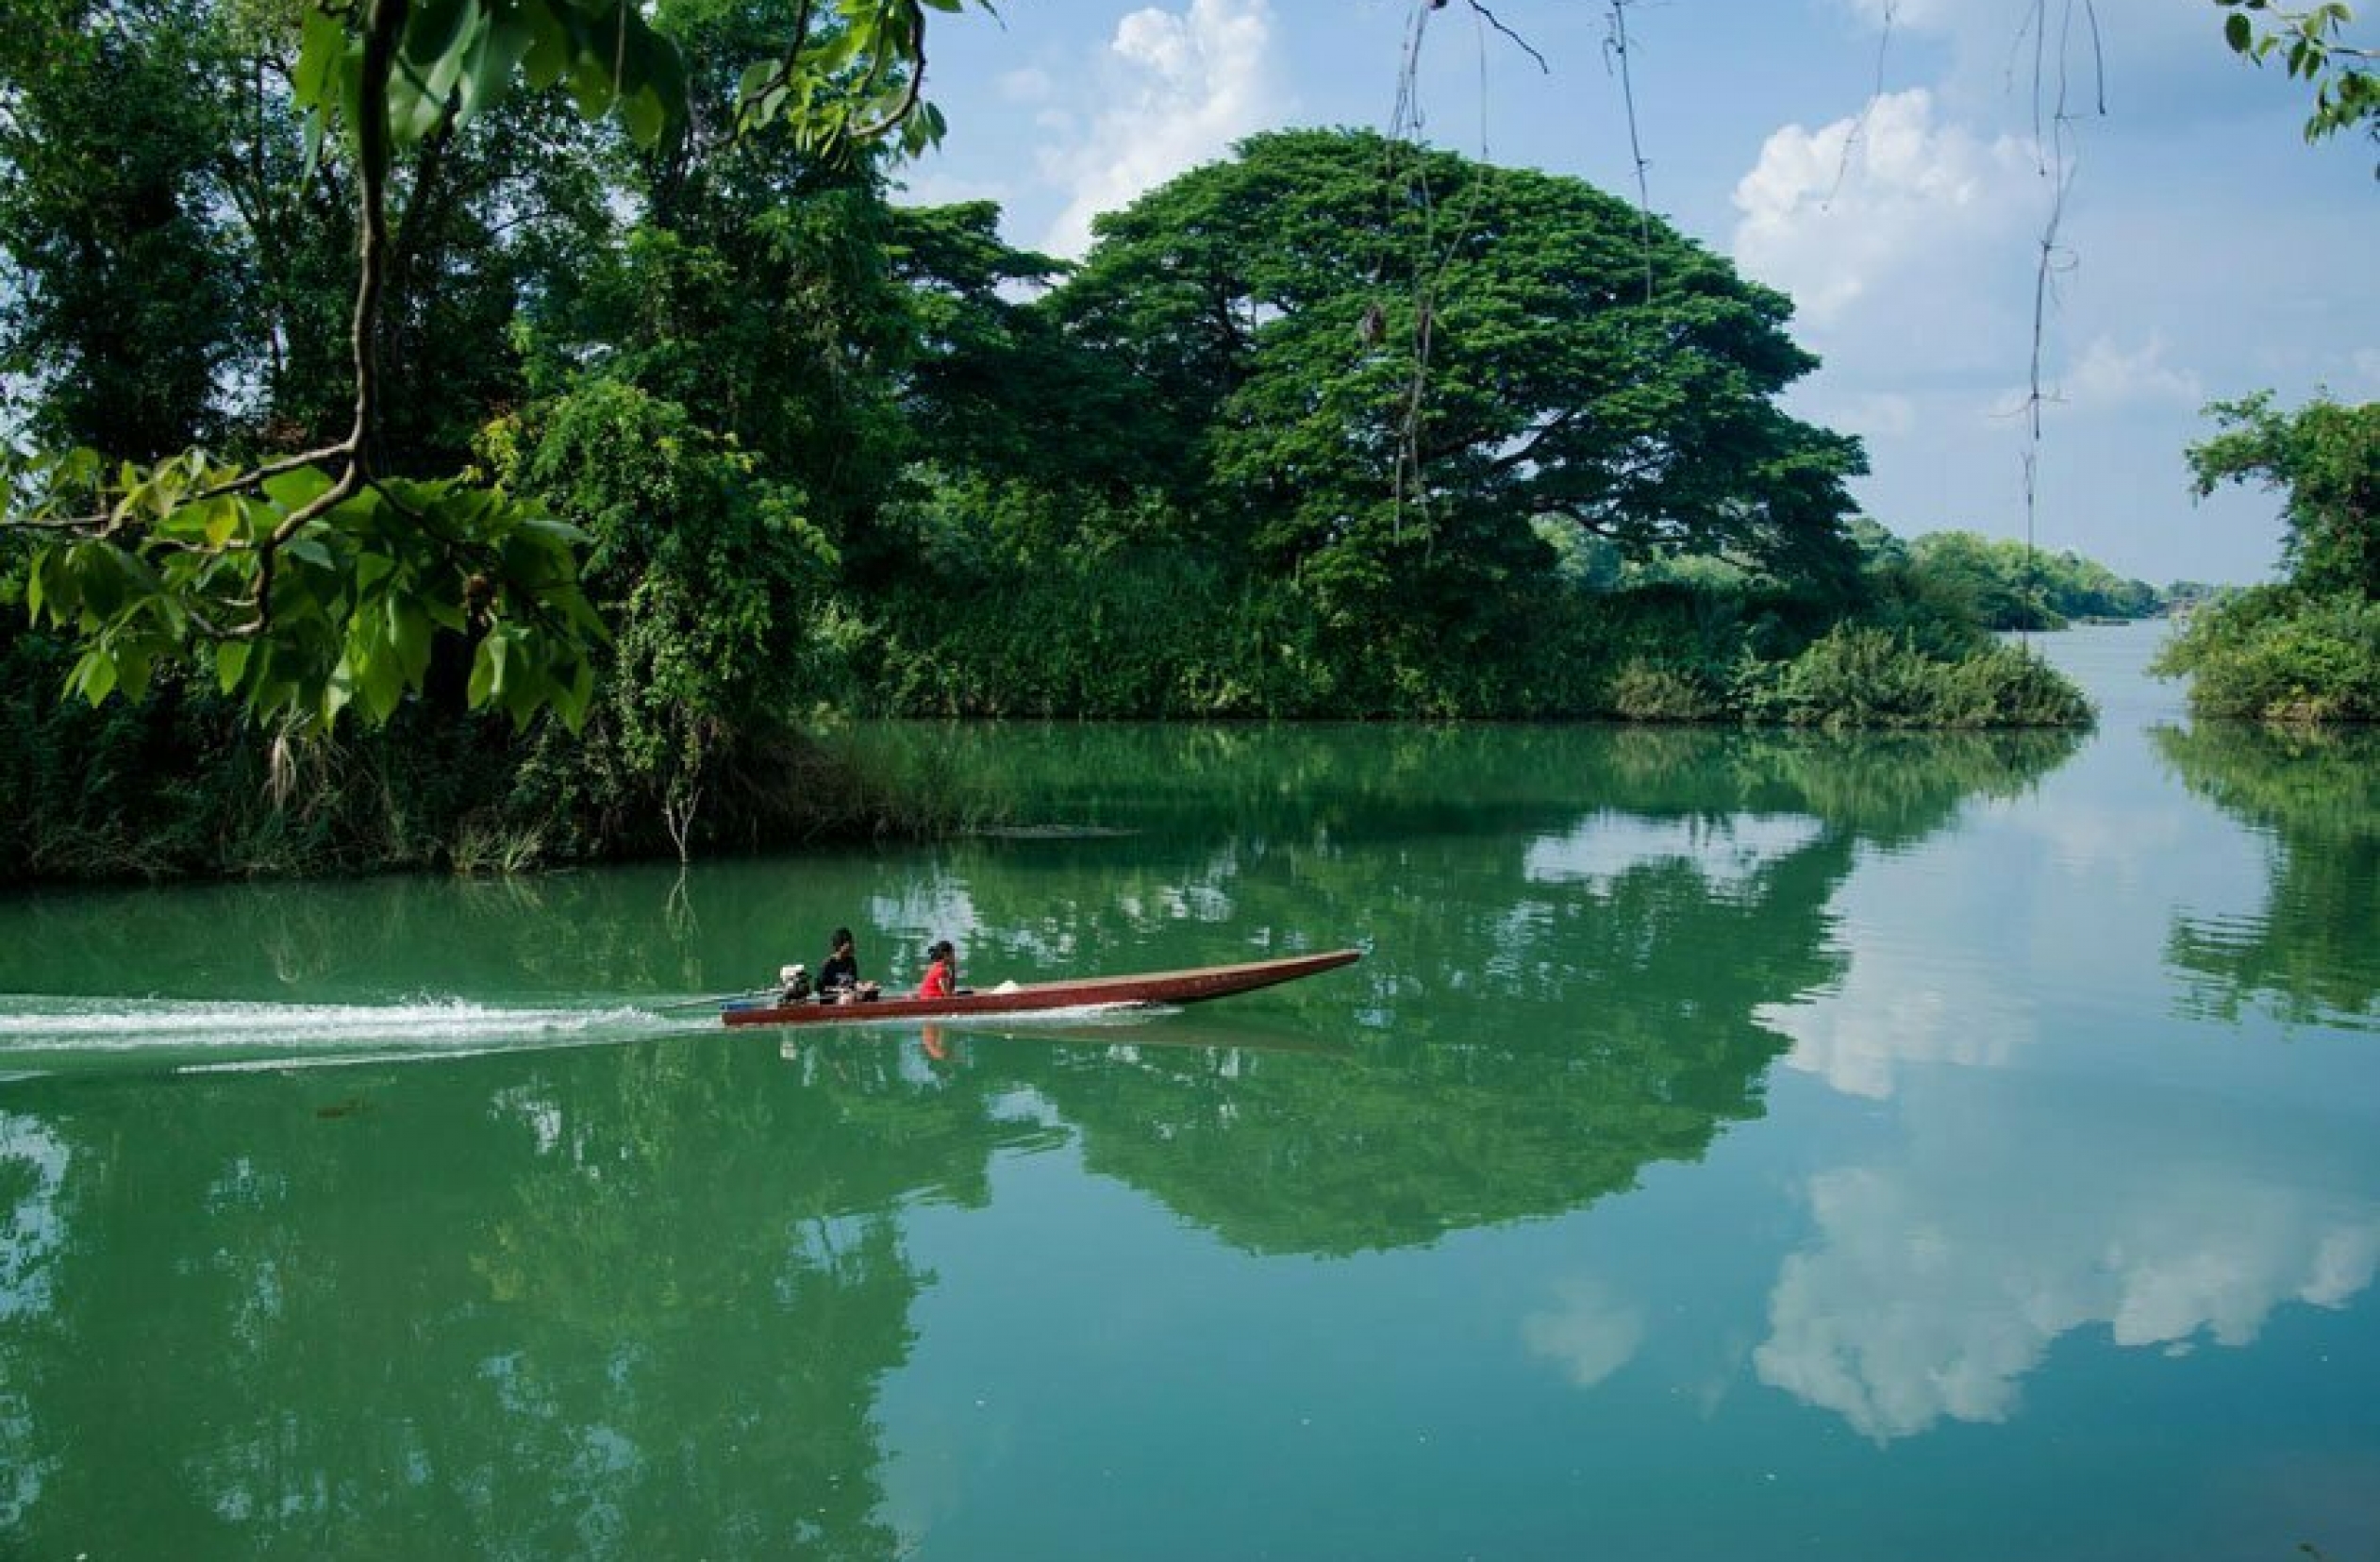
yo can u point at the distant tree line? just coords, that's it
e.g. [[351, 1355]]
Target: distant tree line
[[2007, 585], [1998, 584]]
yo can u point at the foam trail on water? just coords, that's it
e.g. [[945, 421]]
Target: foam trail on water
[[119, 1026]]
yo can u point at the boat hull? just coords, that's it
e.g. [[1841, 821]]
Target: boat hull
[[1165, 987]]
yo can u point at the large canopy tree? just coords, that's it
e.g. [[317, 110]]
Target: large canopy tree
[[1376, 365]]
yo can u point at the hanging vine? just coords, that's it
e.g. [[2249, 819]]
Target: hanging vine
[[2056, 161]]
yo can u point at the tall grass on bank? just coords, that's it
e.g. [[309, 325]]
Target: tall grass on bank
[[1164, 639]]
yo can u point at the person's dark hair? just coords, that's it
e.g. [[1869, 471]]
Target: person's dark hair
[[940, 949], [843, 936]]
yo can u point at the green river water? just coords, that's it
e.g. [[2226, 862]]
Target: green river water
[[1734, 1145]]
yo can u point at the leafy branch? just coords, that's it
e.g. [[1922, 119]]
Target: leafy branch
[[2312, 49], [315, 580]]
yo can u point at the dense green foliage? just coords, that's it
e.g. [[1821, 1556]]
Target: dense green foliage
[[1406, 423], [722, 442], [400, 599], [106, 153], [417, 109], [2277, 652], [2307, 649], [1372, 366]]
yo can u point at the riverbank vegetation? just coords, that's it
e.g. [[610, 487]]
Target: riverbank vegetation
[[2307, 649], [1337, 427]]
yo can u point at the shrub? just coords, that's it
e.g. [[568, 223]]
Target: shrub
[[1641, 692], [2277, 654], [1855, 676]]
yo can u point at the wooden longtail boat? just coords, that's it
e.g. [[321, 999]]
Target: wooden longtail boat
[[1164, 987]]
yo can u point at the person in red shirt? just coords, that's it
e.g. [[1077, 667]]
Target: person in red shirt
[[941, 974]]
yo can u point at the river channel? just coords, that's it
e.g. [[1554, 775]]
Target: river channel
[[1733, 1146]]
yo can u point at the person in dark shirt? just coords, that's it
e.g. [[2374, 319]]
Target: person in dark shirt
[[839, 978]]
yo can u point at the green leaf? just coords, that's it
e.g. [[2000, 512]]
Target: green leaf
[[289, 489], [494, 56], [644, 115], [223, 521], [483, 673], [383, 684], [2237, 32], [414, 109], [322, 42], [132, 673], [572, 698], [338, 689], [549, 52], [315, 126], [231, 664], [94, 674], [591, 87], [435, 29], [557, 528], [409, 636], [309, 550]]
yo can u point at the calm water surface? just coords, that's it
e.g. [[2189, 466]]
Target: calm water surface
[[1734, 1145]]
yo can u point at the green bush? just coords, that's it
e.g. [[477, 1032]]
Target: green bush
[[2277, 654], [1641, 692], [1856, 677]]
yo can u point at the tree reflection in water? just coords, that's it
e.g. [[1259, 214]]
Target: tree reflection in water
[[1572, 931], [620, 1300], [2311, 956]]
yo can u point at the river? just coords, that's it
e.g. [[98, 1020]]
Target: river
[[1734, 1145]]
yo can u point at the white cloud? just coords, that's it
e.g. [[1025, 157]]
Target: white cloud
[[1872, 415], [1027, 84], [932, 188], [1729, 852], [1933, 1288], [1912, 198], [1589, 1332], [1183, 86], [1892, 1010], [2106, 375], [1882, 416], [2141, 44], [1903, 13]]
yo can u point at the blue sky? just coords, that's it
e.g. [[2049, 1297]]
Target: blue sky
[[2207, 251]]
